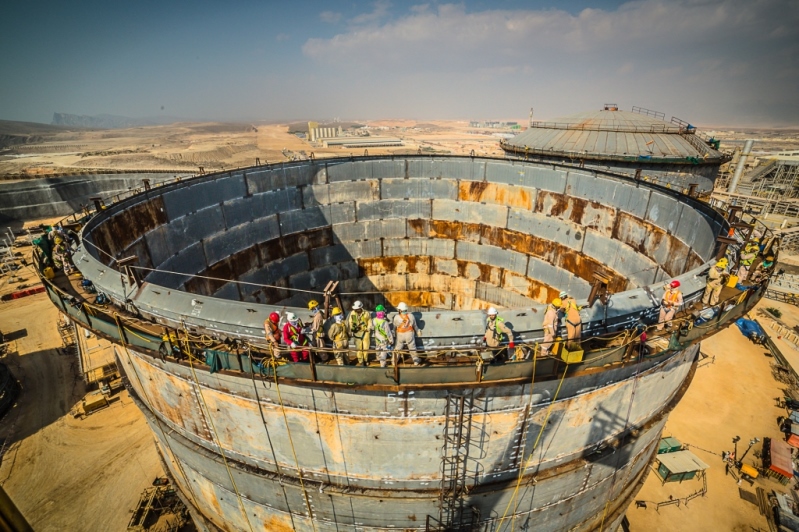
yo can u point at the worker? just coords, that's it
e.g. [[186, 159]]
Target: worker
[[359, 327], [497, 332], [715, 281], [763, 270], [551, 325], [671, 301], [574, 323], [568, 300], [338, 335], [295, 338], [272, 331], [748, 256], [317, 330], [384, 339], [407, 331]]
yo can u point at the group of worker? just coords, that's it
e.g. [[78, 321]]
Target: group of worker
[[562, 306], [391, 337]]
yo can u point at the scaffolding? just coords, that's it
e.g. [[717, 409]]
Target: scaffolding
[[770, 188]]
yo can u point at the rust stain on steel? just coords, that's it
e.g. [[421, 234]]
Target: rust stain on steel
[[535, 290], [124, 228], [498, 194], [416, 298], [646, 238], [170, 396], [589, 214], [399, 265], [466, 232], [306, 241]]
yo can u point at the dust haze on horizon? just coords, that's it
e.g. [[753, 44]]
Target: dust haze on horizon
[[711, 62]]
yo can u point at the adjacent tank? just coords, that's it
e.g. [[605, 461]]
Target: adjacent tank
[[193, 269]]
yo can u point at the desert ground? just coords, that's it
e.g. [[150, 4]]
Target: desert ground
[[68, 473]]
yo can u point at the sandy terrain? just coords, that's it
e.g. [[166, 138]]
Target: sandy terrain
[[732, 395]]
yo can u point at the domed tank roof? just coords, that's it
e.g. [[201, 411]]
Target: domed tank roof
[[611, 133]]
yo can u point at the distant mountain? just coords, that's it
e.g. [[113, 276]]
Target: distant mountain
[[104, 121]]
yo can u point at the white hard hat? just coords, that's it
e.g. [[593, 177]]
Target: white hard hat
[[402, 306], [357, 305], [492, 311], [563, 295], [290, 316]]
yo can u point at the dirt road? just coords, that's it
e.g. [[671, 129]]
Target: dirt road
[[65, 473]]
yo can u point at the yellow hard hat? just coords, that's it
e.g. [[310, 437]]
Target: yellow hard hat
[[335, 312], [58, 240], [722, 263], [312, 304], [557, 302]]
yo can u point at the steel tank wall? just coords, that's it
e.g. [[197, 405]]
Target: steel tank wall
[[342, 438]]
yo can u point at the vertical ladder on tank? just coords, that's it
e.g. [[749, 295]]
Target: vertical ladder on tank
[[454, 466]]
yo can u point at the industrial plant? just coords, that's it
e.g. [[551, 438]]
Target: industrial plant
[[542, 427]]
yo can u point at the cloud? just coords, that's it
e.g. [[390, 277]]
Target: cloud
[[668, 50], [280, 37], [331, 17]]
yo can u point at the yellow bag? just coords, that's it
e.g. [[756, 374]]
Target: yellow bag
[[48, 273], [733, 281]]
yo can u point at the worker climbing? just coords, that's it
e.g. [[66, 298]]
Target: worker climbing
[[272, 330], [671, 301]]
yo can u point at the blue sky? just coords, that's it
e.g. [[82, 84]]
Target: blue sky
[[725, 62]]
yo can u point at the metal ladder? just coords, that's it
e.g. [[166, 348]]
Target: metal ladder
[[453, 515]]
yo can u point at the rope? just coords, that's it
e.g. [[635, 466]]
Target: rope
[[291, 443], [524, 436], [216, 437], [535, 445]]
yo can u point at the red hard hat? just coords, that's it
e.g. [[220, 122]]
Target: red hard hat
[[675, 284], [274, 317]]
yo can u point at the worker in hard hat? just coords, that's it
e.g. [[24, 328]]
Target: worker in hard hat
[[748, 256], [407, 331], [567, 300], [497, 333], [294, 337], [338, 335], [715, 281], [384, 338], [551, 325], [272, 330], [574, 323], [763, 270], [669, 304], [316, 331], [359, 325]]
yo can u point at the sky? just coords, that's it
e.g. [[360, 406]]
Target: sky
[[709, 62]]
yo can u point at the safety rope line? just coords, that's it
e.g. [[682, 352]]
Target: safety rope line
[[155, 415], [291, 443], [269, 438], [216, 437], [535, 445], [523, 437]]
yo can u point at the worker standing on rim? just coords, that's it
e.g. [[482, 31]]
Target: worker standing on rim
[[671, 301], [763, 269], [272, 331], [497, 332], [574, 322], [715, 281], [551, 325], [383, 337], [295, 338], [317, 331], [338, 335], [748, 256], [407, 331], [359, 325]]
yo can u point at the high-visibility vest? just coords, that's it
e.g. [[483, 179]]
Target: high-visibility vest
[[380, 334], [406, 325], [672, 297]]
